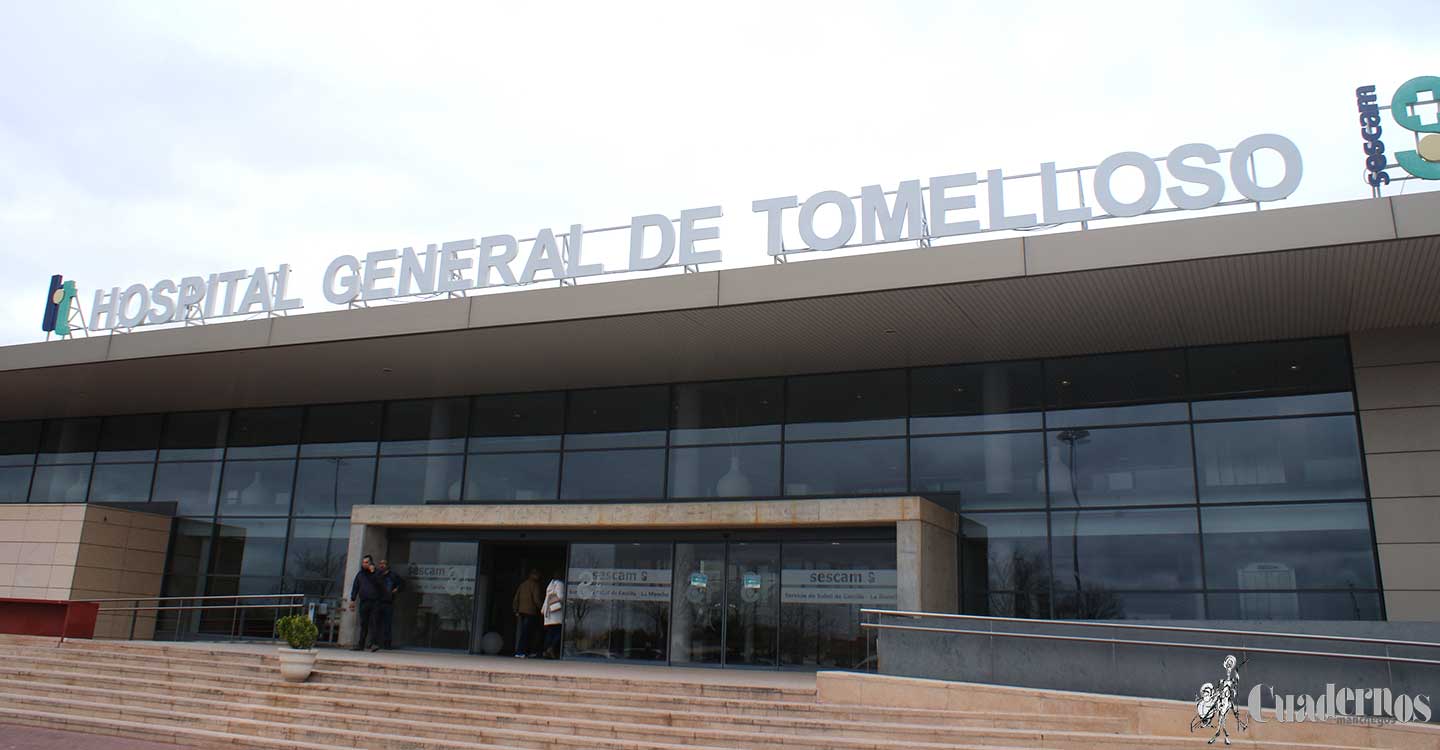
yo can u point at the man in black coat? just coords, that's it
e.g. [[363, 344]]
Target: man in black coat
[[390, 584], [367, 590]]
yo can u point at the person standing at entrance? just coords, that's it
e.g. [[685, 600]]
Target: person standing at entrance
[[366, 590], [390, 585], [526, 605], [554, 616]]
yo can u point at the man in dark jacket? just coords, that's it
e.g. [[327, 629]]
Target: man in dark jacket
[[390, 584], [367, 590]]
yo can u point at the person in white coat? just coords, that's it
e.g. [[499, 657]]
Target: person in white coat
[[553, 610]]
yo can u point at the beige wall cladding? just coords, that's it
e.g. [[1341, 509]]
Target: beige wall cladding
[[1415, 215], [248, 334], [675, 292], [1401, 520], [1410, 567], [926, 266], [1398, 386], [387, 320], [1234, 234], [81, 551], [1395, 346], [1404, 474], [1401, 430], [1412, 606]]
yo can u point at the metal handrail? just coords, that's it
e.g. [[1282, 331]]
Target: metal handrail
[[1138, 626], [1168, 644], [193, 598], [279, 601]]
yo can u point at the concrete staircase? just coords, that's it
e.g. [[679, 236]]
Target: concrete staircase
[[231, 696]]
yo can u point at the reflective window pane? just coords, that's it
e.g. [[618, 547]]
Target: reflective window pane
[[517, 422], [614, 475], [858, 467], [121, 483], [317, 552], [69, 441], [1295, 605], [1316, 458], [1155, 549], [697, 629], [1121, 466], [618, 417], [752, 590], [1007, 552], [250, 547], [190, 549], [129, 438], [60, 484], [194, 436], [1118, 415], [1034, 603], [1115, 379], [1275, 406], [415, 480], [858, 404], [264, 433], [737, 411], [14, 483], [341, 430], [257, 488], [333, 486], [18, 443], [192, 485], [512, 476], [618, 601], [725, 471], [425, 426], [823, 587], [983, 471], [1286, 547], [436, 609], [1129, 605], [1312, 366], [975, 398]]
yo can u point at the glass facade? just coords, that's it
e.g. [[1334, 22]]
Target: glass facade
[[1221, 481]]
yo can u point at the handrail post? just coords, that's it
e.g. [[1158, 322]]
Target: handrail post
[[134, 614]]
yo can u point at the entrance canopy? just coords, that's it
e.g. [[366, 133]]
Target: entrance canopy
[[1275, 274]]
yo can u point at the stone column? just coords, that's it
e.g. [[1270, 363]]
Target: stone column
[[926, 565], [1397, 385], [364, 540]]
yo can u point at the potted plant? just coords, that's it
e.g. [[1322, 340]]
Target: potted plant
[[297, 658]]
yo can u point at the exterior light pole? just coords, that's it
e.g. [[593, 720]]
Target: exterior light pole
[[1071, 437]]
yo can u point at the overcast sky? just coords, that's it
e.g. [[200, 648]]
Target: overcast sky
[[150, 140]]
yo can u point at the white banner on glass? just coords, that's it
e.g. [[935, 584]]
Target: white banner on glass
[[866, 588], [620, 584], [440, 579], [810, 578]]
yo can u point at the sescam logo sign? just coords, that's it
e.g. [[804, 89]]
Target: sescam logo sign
[[1192, 176], [1414, 107]]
